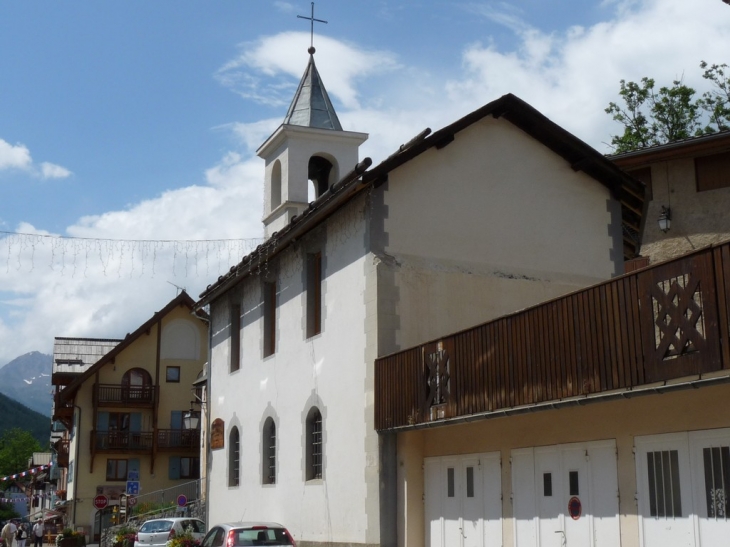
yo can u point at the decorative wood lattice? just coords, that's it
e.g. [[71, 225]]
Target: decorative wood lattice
[[678, 316], [437, 371]]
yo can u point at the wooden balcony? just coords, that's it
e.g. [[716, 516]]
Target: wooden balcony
[[121, 441], [62, 453], [116, 395], [178, 440], [662, 323]]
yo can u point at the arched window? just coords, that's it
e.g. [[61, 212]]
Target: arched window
[[275, 185], [314, 448], [318, 172], [268, 456], [234, 457], [137, 385]]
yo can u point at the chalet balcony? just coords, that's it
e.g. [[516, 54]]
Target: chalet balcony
[[178, 440], [116, 395], [121, 441], [63, 413], [661, 325], [62, 453]]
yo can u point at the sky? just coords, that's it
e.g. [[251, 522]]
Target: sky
[[129, 128]]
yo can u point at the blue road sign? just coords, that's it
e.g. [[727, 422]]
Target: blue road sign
[[132, 488]]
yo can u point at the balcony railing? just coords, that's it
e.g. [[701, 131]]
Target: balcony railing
[[114, 441], [119, 395], [178, 439], [62, 453], [660, 323]]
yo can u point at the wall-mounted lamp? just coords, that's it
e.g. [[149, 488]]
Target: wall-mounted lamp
[[191, 418], [665, 219]]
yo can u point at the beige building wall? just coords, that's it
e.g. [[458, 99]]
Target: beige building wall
[[621, 420], [698, 219], [172, 396]]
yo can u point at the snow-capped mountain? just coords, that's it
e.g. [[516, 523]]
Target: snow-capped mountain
[[27, 379]]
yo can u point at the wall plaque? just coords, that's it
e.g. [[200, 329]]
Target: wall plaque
[[217, 434]]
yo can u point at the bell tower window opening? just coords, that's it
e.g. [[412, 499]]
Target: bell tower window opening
[[275, 185], [318, 172]]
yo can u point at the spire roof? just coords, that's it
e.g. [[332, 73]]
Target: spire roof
[[311, 106]]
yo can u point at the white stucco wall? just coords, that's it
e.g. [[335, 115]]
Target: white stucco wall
[[330, 368]]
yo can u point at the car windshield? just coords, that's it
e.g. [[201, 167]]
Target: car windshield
[[257, 536], [152, 526]]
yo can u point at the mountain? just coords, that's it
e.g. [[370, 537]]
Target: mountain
[[14, 414], [27, 379]]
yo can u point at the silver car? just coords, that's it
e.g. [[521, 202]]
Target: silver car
[[235, 534], [157, 532]]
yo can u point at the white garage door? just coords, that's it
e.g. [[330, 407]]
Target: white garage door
[[463, 501], [683, 482], [566, 495]]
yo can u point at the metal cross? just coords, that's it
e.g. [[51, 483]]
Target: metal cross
[[312, 20]]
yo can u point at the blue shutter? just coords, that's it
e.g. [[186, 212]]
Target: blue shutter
[[176, 419], [102, 421], [174, 467], [135, 421], [133, 465]]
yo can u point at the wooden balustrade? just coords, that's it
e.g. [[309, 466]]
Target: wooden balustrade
[[660, 323], [121, 395]]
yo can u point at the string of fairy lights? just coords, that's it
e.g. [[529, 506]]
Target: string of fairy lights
[[79, 256]]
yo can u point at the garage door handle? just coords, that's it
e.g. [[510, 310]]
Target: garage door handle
[[564, 541], [461, 531]]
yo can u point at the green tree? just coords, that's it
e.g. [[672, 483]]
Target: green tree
[[7, 512], [673, 113], [717, 101], [650, 117], [16, 448]]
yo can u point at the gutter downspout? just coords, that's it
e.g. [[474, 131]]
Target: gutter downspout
[[77, 427], [208, 369]]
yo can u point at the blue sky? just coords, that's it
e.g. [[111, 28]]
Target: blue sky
[[139, 120]]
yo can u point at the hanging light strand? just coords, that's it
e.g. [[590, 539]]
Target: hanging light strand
[[122, 257]]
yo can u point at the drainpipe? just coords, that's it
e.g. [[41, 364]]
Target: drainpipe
[[208, 369], [76, 465]]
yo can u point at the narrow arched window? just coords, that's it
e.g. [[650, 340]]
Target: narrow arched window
[[275, 185], [268, 456], [234, 457], [137, 386], [315, 453], [318, 172]]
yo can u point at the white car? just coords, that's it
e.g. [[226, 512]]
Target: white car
[[157, 532]]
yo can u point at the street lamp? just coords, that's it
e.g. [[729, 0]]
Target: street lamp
[[665, 219], [191, 418]]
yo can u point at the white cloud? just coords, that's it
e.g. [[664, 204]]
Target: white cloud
[[52, 171], [14, 156], [18, 157], [341, 66]]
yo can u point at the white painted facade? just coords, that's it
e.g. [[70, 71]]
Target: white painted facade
[[486, 225]]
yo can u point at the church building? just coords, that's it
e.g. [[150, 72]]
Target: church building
[[498, 211]]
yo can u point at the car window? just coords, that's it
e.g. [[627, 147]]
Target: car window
[[195, 526], [154, 526], [267, 536], [208, 539]]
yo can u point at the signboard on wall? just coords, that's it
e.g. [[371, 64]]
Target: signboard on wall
[[217, 434]]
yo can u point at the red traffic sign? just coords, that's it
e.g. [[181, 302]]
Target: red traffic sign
[[131, 501], [101, 501]]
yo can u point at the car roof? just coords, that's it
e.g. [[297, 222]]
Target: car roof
[[249, 524]]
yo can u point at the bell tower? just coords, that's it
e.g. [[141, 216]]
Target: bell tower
[[309, 148]]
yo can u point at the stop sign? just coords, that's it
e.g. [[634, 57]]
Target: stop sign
[[101, 501]]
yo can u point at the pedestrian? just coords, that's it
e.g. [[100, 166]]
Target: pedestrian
[[8, 533], [21, 535], [38, 533]]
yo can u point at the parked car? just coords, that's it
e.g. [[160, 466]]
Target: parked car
[[241, 534], [157, 532]]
